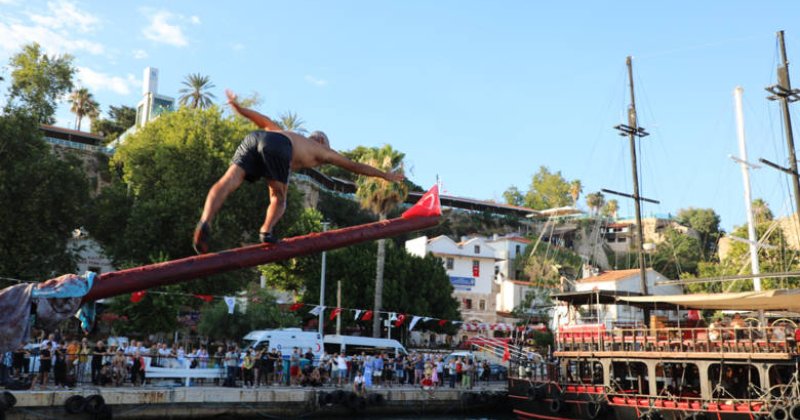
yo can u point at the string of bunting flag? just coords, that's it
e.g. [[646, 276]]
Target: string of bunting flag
[[397, 318]]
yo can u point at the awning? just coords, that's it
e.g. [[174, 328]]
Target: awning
[[772, 300]]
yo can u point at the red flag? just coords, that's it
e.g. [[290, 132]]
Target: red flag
[[442, 322], [138, 296], [506, 353], [428, 205], [205, 298], [367, 316], [295, 306], [334, 313], [400, 319]]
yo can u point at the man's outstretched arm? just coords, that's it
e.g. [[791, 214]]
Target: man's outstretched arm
[[259, 119], [359, 168]]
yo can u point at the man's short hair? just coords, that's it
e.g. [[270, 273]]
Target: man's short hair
[[320, 137]]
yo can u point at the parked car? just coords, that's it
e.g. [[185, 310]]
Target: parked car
[[498, 372]]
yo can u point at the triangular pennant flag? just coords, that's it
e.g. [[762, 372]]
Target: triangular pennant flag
[[136, 297], [414, 321], [295, 306], [205, 298], [392, 316], [428, 205], [317, 310], [442, 322], [231, 302], [367, 316], [334, 313], [358, 314], [426, 319], [400, 319]]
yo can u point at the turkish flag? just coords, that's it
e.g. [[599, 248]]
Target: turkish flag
[[442, 322], [400, 319], [334, 313], [295, 306], [367, 316], [136, 297], [205, 298], [428, 205]]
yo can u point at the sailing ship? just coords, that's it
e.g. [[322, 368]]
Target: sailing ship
[[746, 370]]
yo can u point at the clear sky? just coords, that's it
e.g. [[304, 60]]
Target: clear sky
[[479, 92]]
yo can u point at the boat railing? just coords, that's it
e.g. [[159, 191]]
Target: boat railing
[[594, 337]]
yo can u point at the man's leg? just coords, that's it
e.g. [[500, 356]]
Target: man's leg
[[229, 182], [277, 206]]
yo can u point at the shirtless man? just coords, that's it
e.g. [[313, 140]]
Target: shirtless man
[[271, 154]]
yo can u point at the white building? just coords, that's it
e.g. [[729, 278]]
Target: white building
[[470, 264], [511, 289], [89, 254], [627, 281]]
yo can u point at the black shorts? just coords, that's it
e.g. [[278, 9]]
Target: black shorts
[[264, 154]]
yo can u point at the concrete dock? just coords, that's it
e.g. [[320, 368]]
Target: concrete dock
[[272, 402]]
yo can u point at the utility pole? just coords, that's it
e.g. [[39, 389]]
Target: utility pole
[[784, 93], [322, 286]]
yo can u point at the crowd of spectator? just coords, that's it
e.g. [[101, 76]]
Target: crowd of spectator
[[59, 363]]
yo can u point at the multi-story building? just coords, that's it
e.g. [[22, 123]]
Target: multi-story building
[[470, 264]]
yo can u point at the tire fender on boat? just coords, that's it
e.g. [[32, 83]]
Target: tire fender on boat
[[794, 411], [595, 409], [779, 412]]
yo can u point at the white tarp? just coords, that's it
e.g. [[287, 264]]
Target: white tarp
[[772, 300]]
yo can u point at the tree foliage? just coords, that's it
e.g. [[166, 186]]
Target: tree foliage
[[677, 254], [706, 223], [120, 118], [38, 81], [548, 190], [259, 312], [290, 121], [595, 201], [513, 196], [83, 105], [195, 93], [43, 201]]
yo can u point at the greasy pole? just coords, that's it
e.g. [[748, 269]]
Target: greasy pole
[[425, 214]]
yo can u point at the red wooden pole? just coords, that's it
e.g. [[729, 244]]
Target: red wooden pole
[[424, 214]]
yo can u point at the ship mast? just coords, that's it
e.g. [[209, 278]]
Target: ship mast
[[632, 131]]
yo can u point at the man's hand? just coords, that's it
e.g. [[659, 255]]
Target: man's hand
[[231, 97], [395, 176]]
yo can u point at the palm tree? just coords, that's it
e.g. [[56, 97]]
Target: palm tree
[[290, 121], [196, 94], [611, 208], [380, 196], [575, 189], [595, 201], [83, 105]]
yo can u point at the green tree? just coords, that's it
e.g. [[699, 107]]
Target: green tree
[[706, 223], [677, 254], [38, 81], [548, 190], [380, 196], [120, 118], [595, 201], [44, 200], [761, 211], [513, 196], [290, 121], [196, 93], [83, 105], [261, 312]]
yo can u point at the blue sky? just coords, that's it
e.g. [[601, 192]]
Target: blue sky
[[481, 93]]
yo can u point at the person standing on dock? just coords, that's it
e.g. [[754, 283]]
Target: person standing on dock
[[272, 153]]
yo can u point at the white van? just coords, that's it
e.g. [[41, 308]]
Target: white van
[[285, 340], [352, 345]]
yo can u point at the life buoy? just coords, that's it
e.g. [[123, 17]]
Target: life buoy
[[794, 411], [556, 405], [75, 404], [10, 399], [779, 412], [94, 403]]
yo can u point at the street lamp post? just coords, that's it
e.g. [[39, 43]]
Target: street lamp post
[[322, 285]]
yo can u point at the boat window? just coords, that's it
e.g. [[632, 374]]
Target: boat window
[[630, 377], [678, 379], [585, 372], [780, 374], [730, 380]]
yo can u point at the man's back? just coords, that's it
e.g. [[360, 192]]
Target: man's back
[[306, 153]]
